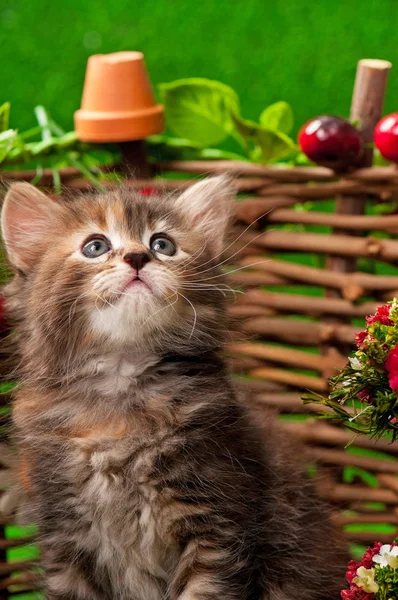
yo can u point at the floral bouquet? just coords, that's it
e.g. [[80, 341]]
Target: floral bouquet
[[375, 577], [364, 397], [364, 394]]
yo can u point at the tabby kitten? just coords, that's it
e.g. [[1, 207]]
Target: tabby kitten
[[147, 476]]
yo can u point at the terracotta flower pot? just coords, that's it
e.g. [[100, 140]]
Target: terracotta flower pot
[[118, 103]]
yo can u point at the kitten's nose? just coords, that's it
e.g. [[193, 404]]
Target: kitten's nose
[[136, 259]]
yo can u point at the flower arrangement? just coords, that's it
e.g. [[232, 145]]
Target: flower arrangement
[[364, 397], [364, 394], [375, 577]]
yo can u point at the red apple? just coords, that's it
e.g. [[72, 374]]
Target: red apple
[[331, 141], [386, 137]]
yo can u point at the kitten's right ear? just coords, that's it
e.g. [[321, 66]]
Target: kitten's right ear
[[27, 218]]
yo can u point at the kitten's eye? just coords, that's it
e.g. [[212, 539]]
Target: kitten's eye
[[163, 245], [96, 247]]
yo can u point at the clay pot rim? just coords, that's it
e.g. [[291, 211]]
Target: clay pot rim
[[115, 57], [116, 115]]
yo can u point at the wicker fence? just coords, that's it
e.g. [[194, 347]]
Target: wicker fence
[[313, 256], [299, 320]]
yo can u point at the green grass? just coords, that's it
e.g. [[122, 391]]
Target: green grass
[[302, 52]]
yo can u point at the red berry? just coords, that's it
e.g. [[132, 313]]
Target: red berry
[[386, 137], [331, 141]]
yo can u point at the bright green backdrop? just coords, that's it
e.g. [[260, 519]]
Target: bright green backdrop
[[302, 51]]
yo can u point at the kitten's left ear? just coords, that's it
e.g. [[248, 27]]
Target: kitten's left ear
[[208, 206], [28, 218]]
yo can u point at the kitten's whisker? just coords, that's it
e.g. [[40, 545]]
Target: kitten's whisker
[[194, 311], [169, 305], [238, 238], [74, 307], [233, 255], [194, 256], [259, 262]]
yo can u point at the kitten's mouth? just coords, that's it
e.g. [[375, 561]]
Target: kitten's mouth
[[137, 283]]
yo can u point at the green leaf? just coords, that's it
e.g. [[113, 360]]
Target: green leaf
[[4, 116], [278, 117], [199, 110], [273, 145], [7, 139]]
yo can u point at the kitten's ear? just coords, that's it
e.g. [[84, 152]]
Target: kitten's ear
[[208, 207], [27, 218]]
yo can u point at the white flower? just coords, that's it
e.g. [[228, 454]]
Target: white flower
[[365, 580], [388, 556], [356, 363]]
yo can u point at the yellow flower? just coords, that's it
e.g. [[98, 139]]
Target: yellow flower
[[365, 580]]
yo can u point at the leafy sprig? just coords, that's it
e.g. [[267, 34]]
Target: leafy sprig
[[364, 394], [203, 113], [47, 145]]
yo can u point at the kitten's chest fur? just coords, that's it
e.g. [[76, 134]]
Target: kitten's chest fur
[[120, 495]]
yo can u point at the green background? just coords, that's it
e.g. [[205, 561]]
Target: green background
[[301, 51]]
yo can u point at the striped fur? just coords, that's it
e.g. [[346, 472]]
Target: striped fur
[[146, 473]]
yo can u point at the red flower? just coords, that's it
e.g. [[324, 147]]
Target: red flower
[[381, 316], [147, 191], [355, 592], [365, 396], [391, 365], [360, 338]]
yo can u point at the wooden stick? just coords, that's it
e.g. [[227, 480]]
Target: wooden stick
[[300, 332], [308, 305], [368, 537], [367, 519], [294, 358], [253, 279], [248, 184], [249, 310], [247, 211], [254, 386], [7, 568], [368, 98], [313, 431], [352, 284], [134, 161], [340, 457], [344, 245], [22, 579], [326, 190], [292, 379], [296, 174], [203, 167], [347, 493], [389, 481]]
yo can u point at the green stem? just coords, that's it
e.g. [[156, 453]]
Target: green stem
[[39, 174], [85, 172], [44, 121], [55, 128], [57, 181], [30, 133]]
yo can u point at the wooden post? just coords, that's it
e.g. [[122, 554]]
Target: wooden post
[[134, 163], [366, 108], [368, 99]]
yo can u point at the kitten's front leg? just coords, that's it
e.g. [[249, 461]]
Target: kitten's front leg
[[66, 583], [207, 571], [69, 577]]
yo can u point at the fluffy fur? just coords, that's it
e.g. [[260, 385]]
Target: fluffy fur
[[146, 474]]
